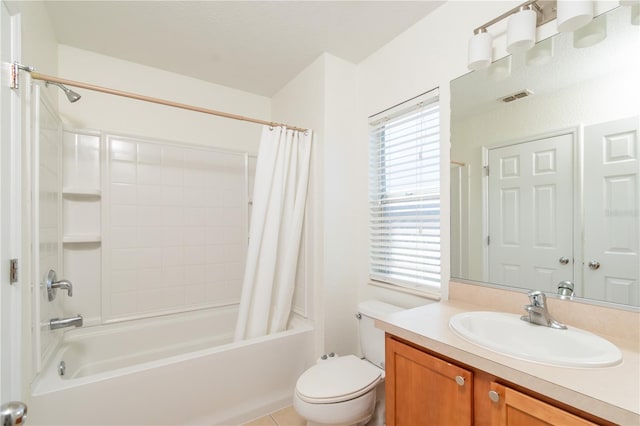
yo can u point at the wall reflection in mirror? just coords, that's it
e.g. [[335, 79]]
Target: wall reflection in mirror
[[545, 190]]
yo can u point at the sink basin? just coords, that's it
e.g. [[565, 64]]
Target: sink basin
[[509, 335]]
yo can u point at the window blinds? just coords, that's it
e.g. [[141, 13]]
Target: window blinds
[[404, 194]]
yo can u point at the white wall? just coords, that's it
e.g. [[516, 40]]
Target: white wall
[[335, 98], [107, 112], [340, 278], [427, 55], [322, 97], [301, 103]]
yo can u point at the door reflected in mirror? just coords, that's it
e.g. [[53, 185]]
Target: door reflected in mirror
[[545, 173]]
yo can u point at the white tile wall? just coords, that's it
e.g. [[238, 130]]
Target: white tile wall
[[81, 201], [176, 228]]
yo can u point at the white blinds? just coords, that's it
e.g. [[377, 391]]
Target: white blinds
[[404, 194]]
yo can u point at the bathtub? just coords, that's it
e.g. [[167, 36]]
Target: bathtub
[[173, 370]]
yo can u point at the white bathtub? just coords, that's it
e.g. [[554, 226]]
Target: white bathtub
[[173, 370]]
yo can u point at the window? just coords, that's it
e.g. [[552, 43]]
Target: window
[[404, 194]]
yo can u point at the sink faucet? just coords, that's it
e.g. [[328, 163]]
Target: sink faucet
[[538, 313], [57, 323]]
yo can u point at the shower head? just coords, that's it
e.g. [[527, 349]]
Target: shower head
[[71, 95]]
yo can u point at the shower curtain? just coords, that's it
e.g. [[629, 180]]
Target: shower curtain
[[280, 192]]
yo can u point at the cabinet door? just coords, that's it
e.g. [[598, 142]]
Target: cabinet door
[[511, 407], [424, 390]]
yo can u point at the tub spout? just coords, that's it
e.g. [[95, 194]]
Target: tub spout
[[57, 323]]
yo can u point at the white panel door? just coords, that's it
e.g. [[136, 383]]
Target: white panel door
[[13, 383], [611, 211], [530, 213], [10, 291], [460, 221]]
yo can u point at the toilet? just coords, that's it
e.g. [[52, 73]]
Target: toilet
[[343, 390]]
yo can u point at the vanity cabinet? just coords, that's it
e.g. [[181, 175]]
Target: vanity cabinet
[[510, 407], [424, 388]]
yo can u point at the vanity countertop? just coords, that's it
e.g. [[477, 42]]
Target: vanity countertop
[[612, 393]]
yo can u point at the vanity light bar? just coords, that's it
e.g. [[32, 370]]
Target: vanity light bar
[[546, 11], [521, 31], [515, 96]]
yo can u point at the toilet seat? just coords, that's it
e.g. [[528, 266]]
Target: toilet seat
[[337, 380]]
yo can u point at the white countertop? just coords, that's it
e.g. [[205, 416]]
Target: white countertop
[[612, 393]]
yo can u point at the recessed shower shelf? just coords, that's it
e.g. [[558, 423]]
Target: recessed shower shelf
[[81, 238], [81, 192]]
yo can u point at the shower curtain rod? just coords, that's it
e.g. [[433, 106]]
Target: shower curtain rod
[[51, 79]]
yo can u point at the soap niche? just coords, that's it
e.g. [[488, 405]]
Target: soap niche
[[82, 221]]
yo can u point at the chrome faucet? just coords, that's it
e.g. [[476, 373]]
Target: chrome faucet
[[538, 313], [63, 285], [52, 285], [57, 323], [565, 289]]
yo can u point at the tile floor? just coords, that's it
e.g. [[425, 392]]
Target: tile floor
[[285, 417]]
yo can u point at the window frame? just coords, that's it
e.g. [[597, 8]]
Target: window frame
[[382, 199]]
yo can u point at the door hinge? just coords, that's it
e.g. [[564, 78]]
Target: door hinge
[[14, 83], [13, 271], [488, 239], [486, 170]]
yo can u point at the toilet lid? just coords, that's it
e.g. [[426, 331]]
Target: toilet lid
[[336, 380]]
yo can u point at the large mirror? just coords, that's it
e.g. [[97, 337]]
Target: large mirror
[[545, 190]]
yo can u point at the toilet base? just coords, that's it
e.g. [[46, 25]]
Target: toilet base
[[368, 409], [354, 412]]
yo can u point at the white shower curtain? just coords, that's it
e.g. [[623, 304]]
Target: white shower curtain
[[279, 198]]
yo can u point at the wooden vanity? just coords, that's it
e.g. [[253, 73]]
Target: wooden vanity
[[433, 377]]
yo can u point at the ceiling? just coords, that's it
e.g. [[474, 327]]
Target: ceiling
[[255, 46]]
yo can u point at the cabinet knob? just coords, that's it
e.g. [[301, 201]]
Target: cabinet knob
[[460, 380], [494, 396]]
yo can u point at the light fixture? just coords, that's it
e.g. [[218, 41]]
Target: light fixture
[[592, 33], [573, 14], [479, 54], [541, 53], [635, 14], [521, 30], [635, 10], [500, 69]]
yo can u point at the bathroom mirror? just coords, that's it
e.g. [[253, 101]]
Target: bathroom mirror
[[545, 190]]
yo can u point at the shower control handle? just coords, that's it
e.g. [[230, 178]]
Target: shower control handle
[[53, 285]]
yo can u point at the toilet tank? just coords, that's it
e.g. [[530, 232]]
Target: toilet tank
[[372, 338]]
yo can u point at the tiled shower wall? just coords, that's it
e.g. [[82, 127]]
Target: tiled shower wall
[[177, 228], [163, 229]]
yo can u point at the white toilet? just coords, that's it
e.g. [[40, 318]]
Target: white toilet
[[342, 390]]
